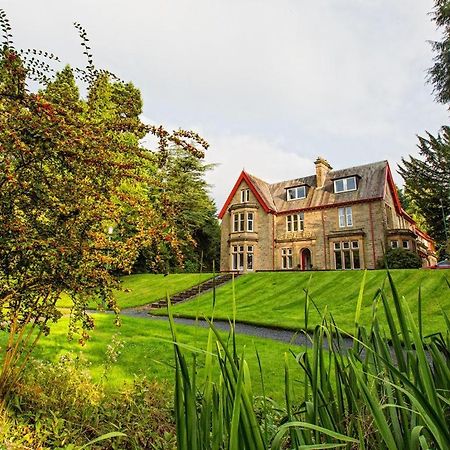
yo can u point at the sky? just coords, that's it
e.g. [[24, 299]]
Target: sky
[[270, 84]]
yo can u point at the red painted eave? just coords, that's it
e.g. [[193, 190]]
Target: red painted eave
[[244, 177]]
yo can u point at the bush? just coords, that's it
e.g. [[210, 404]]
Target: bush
[[400, 258], [57, 404]]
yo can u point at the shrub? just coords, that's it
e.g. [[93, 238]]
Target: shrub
[[57, 404], [400, 258]]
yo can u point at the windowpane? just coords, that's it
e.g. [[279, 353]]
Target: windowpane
[[338, 259], [355, 244], [356, 261], [289, 223], [241, 221], [296, 192], [301, 220], [337, 245], [351, 184], [347, 264], [249, 221], [249, 261], [394, 244], [349, 217], [346, 244], [405, 244], [341, 217], [338, 185]]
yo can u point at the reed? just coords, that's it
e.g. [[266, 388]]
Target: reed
[[390, 389]]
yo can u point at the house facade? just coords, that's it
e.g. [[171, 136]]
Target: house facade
[[336, 219]]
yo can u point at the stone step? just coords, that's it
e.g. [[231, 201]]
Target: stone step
[[192, 292]]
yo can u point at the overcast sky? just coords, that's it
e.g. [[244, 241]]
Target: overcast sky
[[270, 84]]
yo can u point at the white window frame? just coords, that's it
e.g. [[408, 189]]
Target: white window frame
[[250, 221], [245, 195], [286, 258], [237, 257], [295, 193], [345, 185], [347, 247], [295, 222], [250, 259], [394, 244], [406, 247], [238, 222], [345, 217]]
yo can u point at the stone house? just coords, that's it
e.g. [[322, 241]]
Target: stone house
[[335, 219]]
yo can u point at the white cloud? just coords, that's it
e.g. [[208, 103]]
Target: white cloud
[[266, 159], [270, 84]]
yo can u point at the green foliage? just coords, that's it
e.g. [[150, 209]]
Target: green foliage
[[427, 179], [427, 184], [439, 74], [70, 170], [399, 258], [57, 405], [182, 197], [388, 391]]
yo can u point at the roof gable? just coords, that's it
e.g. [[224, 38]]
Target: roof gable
[[257, 188]]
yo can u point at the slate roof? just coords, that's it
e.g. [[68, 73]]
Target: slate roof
[[371, 185]]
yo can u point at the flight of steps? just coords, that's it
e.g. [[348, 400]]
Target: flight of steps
[[193, 291]]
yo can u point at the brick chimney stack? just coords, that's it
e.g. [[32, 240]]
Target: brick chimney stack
[[322, 169]]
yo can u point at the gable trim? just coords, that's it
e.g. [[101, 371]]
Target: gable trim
[[244, 177]]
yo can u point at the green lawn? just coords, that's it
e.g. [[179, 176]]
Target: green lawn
[[148, 351], [277, 298], [146, 288]]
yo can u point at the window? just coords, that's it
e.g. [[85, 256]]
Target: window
[[346, 255], [249, 221], [345, 184], [250, 257], [238, 222], [237, 257], [405, 244], [286, 258], [394, 244], [245, 195], [345, 217], [296, 192], [295, 222]]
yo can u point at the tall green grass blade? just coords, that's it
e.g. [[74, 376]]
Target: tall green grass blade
[[277, 441], [359, 302]]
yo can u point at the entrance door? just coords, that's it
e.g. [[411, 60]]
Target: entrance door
[[305, 259]]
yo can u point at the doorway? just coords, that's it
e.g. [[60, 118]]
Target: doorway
[[305, 259]]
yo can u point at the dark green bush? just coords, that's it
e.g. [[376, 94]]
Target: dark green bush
[[58, 404], [400, 258]]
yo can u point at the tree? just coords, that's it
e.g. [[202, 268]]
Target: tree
[[427, 179], [181, 195], [75, 203]]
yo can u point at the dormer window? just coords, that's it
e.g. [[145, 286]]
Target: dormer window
[[245, 195], [296, 193], [345, 185]]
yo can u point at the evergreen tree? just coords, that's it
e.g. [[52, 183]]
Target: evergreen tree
[[427, 179]]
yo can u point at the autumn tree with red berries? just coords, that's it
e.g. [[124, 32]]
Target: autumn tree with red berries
[[75, 185]]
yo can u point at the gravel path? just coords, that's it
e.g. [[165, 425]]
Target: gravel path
[[297, 338]]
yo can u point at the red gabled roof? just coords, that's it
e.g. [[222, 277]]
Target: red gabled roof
[[391, 184], [244, 177], [399, 208]]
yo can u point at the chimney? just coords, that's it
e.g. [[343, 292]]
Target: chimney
[[322, 169]]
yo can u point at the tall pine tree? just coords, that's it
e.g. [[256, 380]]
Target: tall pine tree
[[427, 178]]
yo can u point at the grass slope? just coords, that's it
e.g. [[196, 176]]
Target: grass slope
[[146, 288], [148, 351], [278, 299]]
